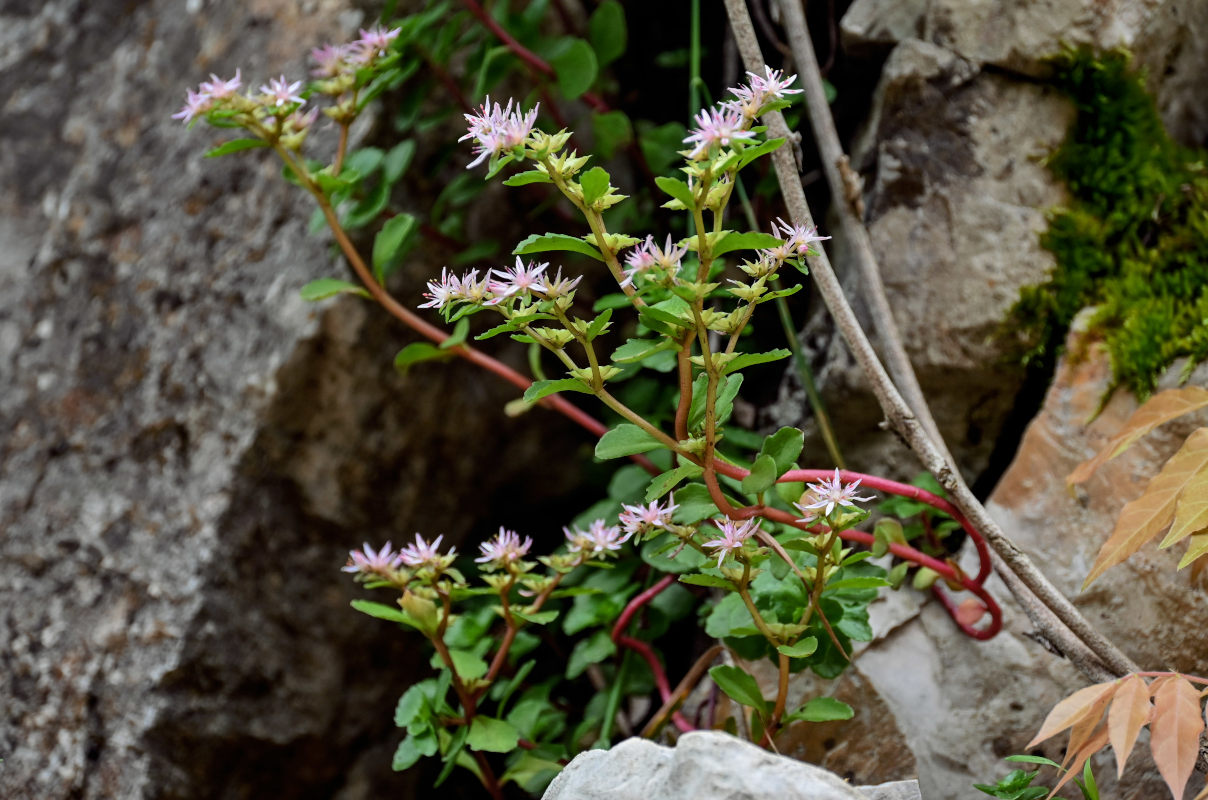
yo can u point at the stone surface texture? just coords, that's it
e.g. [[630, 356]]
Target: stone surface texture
[[190, 450], [704, 764]]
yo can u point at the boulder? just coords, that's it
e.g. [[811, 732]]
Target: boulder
[[190, 449], [706, 764]]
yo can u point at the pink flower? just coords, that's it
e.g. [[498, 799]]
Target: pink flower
[[372, 44], [734, 534], [827, 494], [598, 538], [648, 255], [496, 129], [443, 292], [519, 280], [557, 286], [717, 127], [422, 554], [505, 548], [758, 92], [639, 519], [331, 60], [219, 89], [195, 103], [800, 238], [280, 91], [368, 562]]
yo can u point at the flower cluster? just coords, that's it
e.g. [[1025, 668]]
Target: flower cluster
[[754, 96], [734, 535], [498, 129], [730, 120], [334, 60], [369, 563], [207, 95], [639, 520], [648, 257], [825, 495], [496, 286], [503, 550], [599, 539], [421, 554]]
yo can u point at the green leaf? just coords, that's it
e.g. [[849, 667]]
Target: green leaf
[[525, 178], [763, 475], [392, 243], [667, 481], [590, 651], [234, 146], [397, 160], [607, 32], [802, 649], [324, 288], [533, 774], [538, 243], [612, 131], [695, 504], [677, 189], [740, 686], [712, 581], [727, 390], [417, 352], [745, 241], [468, 665], [413, 704], [412, 749], [541, 389], [598, 325], [869, 582], [368, 209], [638, 349], [363, 161], [575, 66], [749, 359], [382, 611], [453, 756], [822, 709], [625, 440], [539, 617], [595, 184], [667, 554], [749, 154], [784, 446], [492, 735], [458, 336]]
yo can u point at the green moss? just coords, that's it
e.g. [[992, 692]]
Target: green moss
[[1134, 241]]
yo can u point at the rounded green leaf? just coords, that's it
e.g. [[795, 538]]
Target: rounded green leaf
[[575, 66], [607, 31], [492, 735]]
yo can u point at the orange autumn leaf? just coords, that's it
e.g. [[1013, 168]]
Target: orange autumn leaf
[[1092, 746], [1160, 408], [1191, 511], [1129, 712], [1145, 517], [1073, 710], [1175, 732]]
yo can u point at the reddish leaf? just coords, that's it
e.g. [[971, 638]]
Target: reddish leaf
[[1073, 709], [1145, 517], [1160, 408], [1086, 728], [1092, 746], [1129, 712], [1175, 732]]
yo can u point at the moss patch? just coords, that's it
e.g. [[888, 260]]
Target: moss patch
[[1134, 241]]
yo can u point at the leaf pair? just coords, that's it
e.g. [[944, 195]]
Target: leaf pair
[[1177, 497], [1174, 718]]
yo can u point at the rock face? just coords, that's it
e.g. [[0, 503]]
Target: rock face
[[190, 449], [960, 706], [706, 764], [956, 191]]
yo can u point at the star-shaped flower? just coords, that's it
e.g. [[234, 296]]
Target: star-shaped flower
[[825, 495], [424, 554], [734, 534], [505, 548], [368, 562]]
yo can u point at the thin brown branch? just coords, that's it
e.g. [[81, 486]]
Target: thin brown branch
[[1088, 649]]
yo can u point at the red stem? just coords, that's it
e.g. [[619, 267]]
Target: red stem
[[534, 61], [644, 650]]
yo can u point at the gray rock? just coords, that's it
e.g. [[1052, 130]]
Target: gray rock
[[190, 449], [898, 790], [702, 764], [955, 202]]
